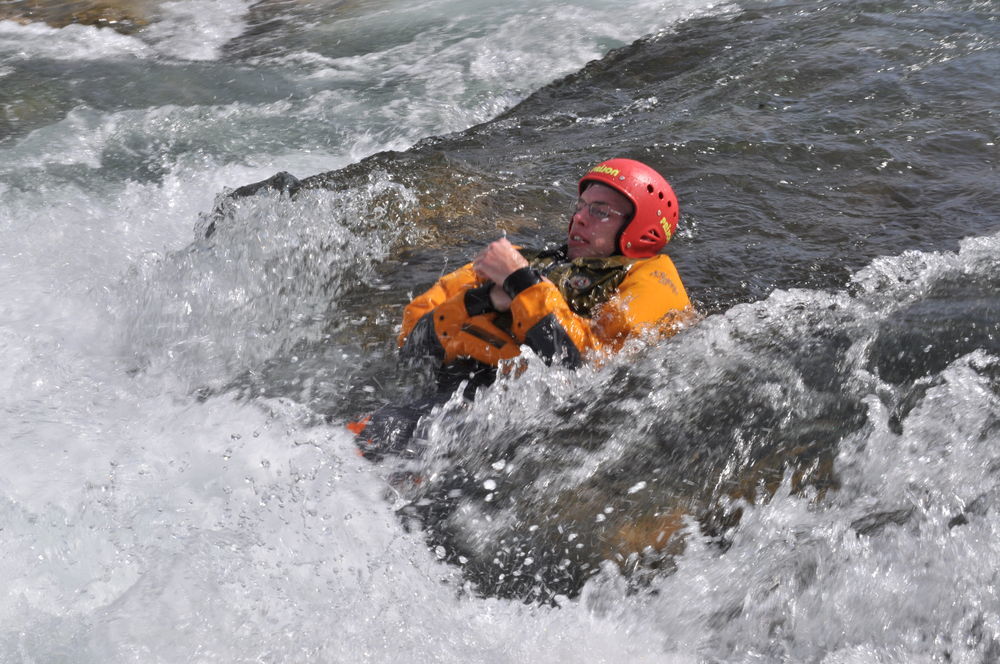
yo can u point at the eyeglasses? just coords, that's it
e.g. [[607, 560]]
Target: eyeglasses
[[599, 211]]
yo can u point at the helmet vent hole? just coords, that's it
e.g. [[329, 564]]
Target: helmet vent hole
[[670, 203], [649, 188]]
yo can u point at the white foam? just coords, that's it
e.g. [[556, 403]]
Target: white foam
[[470, 65], [799, 578], [77, 139], [183, 29], [73, 42], [85, 136], [196, 29], [892, 282]]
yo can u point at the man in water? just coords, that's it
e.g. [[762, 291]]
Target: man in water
[[607, 284]]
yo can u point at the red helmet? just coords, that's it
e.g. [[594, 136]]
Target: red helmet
[[656, 213]]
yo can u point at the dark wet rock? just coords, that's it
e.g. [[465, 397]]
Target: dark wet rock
[[957, 316], [977, 508], [457, 204], [283, 183], [872, 524]]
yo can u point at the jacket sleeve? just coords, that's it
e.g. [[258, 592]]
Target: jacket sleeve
[[651, 297], [446, 287], [455, 319]]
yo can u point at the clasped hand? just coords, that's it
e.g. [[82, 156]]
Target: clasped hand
[[495, 263]]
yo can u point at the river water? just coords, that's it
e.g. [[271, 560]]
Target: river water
[[809, 474]]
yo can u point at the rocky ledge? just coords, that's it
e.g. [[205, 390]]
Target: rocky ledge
[[125, 16]]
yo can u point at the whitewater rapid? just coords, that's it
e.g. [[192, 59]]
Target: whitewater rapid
[[154, 509]]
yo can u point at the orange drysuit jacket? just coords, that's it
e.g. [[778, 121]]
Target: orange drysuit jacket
[[587, 311]]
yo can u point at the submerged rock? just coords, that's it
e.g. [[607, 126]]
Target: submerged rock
[[124, 16]]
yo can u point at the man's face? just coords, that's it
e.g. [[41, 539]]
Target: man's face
[[601, 212]]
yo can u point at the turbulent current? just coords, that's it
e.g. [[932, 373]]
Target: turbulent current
[[810, 473]]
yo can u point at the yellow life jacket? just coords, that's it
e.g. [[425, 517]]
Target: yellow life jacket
[[581, 305]]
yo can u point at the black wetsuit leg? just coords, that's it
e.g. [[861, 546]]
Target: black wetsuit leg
[[390, 429]]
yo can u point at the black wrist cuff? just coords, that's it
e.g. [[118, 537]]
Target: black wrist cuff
[[477, 300], [520, 280]]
